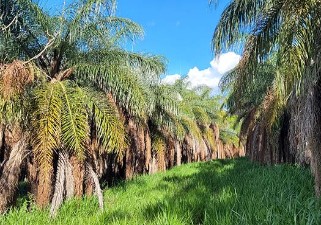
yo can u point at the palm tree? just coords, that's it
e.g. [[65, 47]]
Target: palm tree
[[16, 82], [186, 121], [280, 60], [86, 104], [78, 51]]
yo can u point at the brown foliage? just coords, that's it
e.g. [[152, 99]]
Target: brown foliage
[[14, 78]]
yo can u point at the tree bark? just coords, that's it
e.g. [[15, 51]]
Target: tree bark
[[171, 152], [148, 151], [78, 172], [10, 174], [45, 188], [178, 149]]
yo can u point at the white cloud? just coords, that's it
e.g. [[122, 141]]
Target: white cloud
[[225, 62], [170, 79], [210, 76]]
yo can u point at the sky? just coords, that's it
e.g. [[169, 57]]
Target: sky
[[179, 30], [182, 32]]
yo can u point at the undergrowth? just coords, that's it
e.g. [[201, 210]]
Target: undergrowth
[[217, 192]]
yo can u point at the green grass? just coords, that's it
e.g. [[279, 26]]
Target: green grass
[[218, 192]]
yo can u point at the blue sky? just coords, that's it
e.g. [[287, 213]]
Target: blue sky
[[179, 30]]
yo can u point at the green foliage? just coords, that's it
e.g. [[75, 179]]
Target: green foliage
[[159, 144], [46, 123], [281, 49], [62, 119], [110, 129], [209, 136], [181, 110], [74, 125], [84, 42], [199, 193]]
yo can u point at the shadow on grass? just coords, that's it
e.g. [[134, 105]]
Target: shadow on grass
[[238, 192], [196, 193]]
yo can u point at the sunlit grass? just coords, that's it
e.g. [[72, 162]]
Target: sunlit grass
[[217, 192]]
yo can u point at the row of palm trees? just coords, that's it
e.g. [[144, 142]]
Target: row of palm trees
[[275, 89], [76, 109]]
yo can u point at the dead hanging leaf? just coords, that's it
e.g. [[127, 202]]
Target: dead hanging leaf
[[14, 78]]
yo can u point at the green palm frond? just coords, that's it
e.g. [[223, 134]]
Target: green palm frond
[[62, 116], [158, 143], [109, 127], [130, 93], [229, 136], [47, 122], [148, 66], [166, 99], [127, 76], [15, 12], [102, 31], [239, 16], [179, 132], [84, 9], [201, 115], [209, 136], [191, 127], [74, 119], [123, 28]]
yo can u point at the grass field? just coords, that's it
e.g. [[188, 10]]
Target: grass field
[[218, 192]]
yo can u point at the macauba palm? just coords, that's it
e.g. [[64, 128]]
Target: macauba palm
[[80, 53], [281, 61]]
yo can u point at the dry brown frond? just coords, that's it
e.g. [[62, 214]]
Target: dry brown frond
[[269, 109], [14, 78], [248, 124]]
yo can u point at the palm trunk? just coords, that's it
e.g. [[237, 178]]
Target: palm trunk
[[148, 151], [178, 148], [129, 163], [58, 196], [313, 129], [78, 173], [10, 174], [32, 174], [161, 161], [45, 188], [171, 152], [97, 190], [140, 149]]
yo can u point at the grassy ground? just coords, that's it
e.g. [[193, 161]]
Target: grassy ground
[[218, 192]]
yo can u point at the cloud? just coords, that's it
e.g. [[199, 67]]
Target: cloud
[[210, 76], [170, 79], [225, 62]]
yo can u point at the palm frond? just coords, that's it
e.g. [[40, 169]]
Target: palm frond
[[191, 127], [47, 122], [158, 144], [109, 126], [129, 91], [209, 136], [238, 17], [74, 119]]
